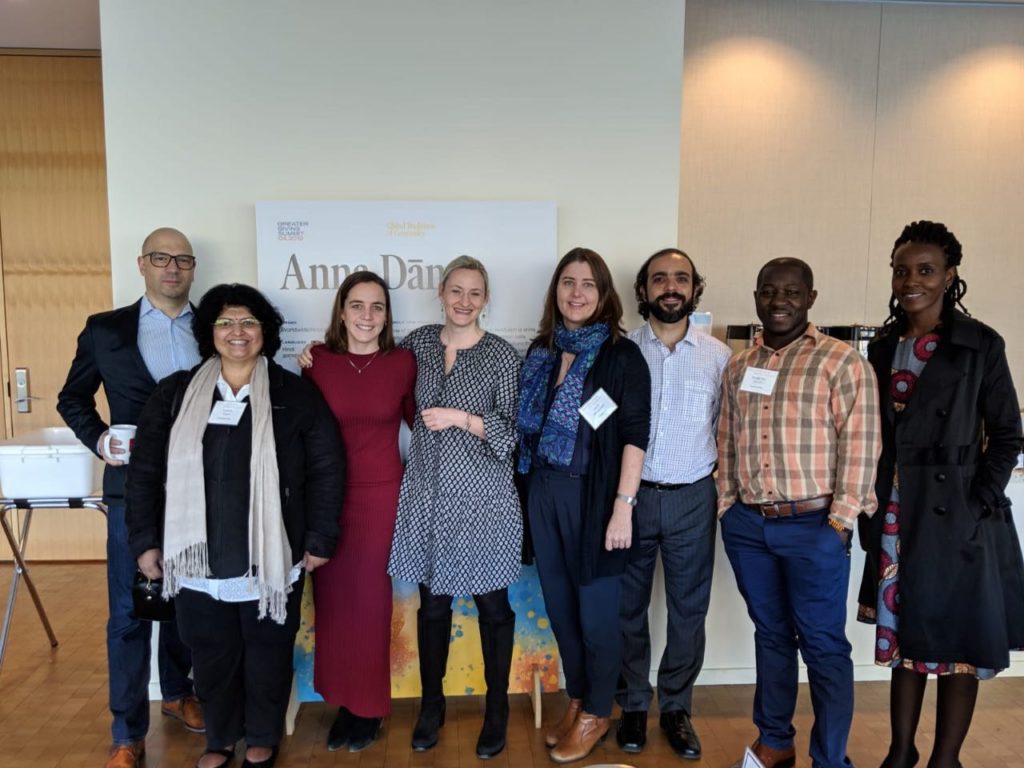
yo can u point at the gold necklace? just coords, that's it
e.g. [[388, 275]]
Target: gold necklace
[[363, 368]]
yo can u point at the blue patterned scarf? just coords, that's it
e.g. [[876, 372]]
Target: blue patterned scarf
[[558, 431]]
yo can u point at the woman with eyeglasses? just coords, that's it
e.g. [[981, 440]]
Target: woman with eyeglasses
[[459, 529], [236, 484], [368, 384]]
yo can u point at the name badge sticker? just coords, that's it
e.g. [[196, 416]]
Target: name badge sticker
[[226, 413], [598, 408], [760, 381]]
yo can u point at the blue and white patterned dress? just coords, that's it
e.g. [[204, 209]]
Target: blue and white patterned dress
[[460, 527]]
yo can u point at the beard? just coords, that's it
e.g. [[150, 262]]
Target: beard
[[670, 315]]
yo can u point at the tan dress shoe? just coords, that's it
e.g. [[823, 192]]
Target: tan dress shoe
[[771, 758], [126, 755], [188, 710], [588, 731], [563, 726]]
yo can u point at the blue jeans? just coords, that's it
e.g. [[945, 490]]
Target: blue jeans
[[128, 643], [793, 574]]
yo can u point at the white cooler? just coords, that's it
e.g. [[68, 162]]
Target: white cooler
[[47, 463]]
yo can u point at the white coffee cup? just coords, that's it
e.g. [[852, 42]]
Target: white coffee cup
[[125, 433]]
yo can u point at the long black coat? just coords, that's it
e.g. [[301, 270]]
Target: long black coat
[[956, 443]]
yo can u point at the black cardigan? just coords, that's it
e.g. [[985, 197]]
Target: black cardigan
[[619, 369], [310, 461]]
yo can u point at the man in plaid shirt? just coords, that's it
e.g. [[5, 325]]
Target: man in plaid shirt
[[798, 441]]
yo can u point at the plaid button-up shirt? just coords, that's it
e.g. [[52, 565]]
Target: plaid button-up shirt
[[817, 433]]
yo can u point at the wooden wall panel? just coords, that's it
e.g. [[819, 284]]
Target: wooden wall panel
[[951, 148], [55, 248], [777, 141]]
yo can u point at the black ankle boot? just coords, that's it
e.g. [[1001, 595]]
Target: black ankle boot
[[433, 637], [496, 640], [428, 724]]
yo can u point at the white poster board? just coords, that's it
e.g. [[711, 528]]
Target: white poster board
[[305, 249]]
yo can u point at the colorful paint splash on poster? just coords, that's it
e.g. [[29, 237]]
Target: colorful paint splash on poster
[[534, 645]]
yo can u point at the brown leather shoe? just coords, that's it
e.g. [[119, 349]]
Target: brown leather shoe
[[563, 726], [188, 710], [771, 758], [588, 731], [126, 755]]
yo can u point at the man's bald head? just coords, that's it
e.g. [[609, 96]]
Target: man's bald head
[[158, 239], [167, 287]]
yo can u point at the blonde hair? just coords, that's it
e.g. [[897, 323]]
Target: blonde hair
[[466, 262]]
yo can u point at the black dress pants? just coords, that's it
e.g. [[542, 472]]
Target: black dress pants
[[242, 666]]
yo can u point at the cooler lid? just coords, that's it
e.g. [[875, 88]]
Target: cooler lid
[[44, 441]]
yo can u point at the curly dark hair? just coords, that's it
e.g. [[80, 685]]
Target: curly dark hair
[[640, 285], [930, 233], [236, 295]]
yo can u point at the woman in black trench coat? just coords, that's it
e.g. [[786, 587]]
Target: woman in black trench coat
[[944, 578]]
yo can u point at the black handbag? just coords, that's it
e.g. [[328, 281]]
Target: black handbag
[[147, 600]]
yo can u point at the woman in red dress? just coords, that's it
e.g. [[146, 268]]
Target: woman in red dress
[[368, 384]]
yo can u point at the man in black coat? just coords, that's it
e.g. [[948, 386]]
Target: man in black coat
[[128, 350]]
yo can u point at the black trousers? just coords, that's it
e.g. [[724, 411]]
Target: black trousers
[[242, 666]]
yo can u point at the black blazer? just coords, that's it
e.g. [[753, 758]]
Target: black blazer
[[108, 354], [310, 463], [956, 443]]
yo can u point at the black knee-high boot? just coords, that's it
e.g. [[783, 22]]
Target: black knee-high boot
[[496, 640], [433, 635]]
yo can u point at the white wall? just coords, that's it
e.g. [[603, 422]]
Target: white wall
[[211, 106]]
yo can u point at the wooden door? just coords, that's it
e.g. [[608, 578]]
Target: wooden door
[[54, 252]]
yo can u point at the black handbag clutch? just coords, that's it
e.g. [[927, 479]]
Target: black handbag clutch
[[147, 600]]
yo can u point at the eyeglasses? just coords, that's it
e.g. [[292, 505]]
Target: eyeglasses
[[183, 260], [246, 323]]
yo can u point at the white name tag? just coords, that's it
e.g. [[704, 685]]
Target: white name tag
[[750, 760], [598, 408], [226, 413], [760, 381]]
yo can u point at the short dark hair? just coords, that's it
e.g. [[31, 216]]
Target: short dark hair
[[336, 338], [236, 295], [931, 233], [608, 310], [640, 286], [787, 261]]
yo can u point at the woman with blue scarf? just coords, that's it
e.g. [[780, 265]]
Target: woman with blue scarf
[[584, 421]]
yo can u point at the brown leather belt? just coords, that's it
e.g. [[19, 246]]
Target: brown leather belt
[[793, 508]]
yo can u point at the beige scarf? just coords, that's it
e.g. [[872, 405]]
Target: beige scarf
[[185, 547]]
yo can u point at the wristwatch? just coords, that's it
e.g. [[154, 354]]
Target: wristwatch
[[631, 500]]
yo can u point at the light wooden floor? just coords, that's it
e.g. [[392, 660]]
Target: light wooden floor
[[53, 708]]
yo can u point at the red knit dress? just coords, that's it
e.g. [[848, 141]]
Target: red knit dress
[[352, 593]]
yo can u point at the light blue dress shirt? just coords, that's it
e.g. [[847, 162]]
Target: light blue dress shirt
[[686, 392], [167, 344]]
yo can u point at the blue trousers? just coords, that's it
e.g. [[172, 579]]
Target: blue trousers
[[128, 643], [681, 524], [793, 574], [584, 617]]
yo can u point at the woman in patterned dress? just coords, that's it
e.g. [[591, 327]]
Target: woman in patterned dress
[[944, 579], [459, 529], [368, 384]]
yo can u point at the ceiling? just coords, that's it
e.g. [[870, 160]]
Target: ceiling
[[58, 24], [75, 24]]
